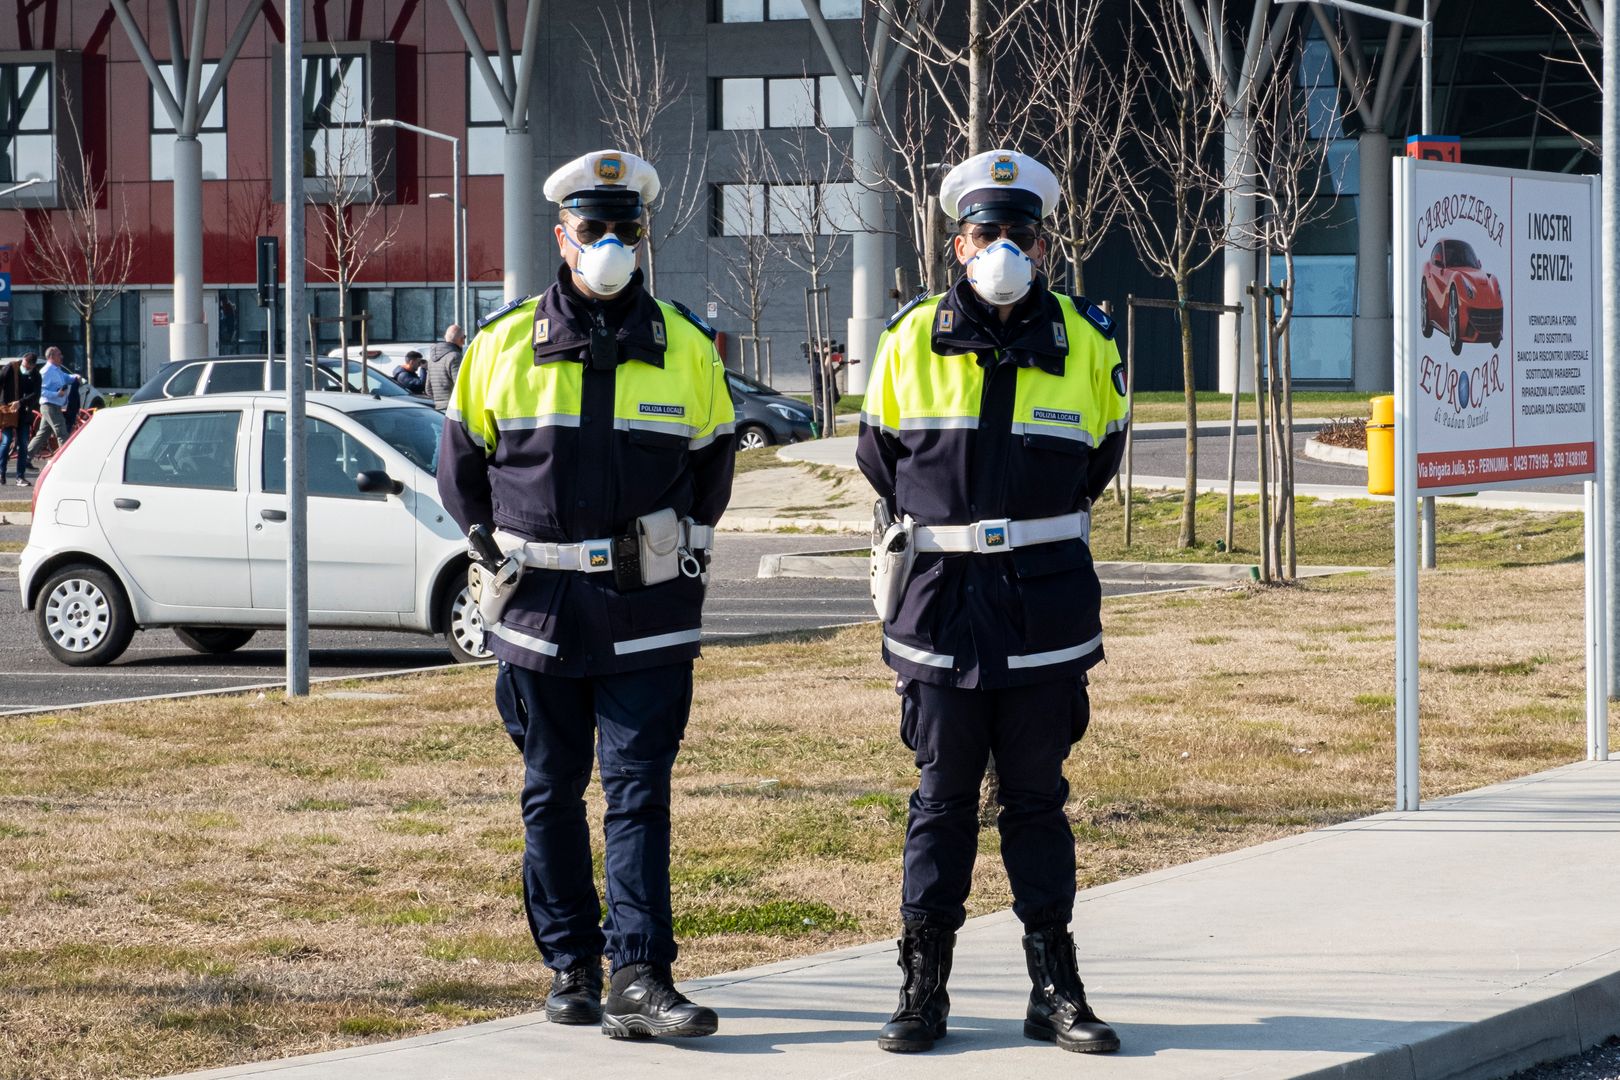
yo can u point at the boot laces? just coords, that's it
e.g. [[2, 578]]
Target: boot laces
[[661, 993]]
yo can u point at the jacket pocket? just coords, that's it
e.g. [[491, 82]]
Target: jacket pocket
[[1043, 560]]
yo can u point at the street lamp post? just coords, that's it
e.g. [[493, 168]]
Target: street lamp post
[[456, 244], [463, 283]]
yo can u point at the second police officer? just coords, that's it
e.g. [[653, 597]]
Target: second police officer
[[995, 414], [590, 433]]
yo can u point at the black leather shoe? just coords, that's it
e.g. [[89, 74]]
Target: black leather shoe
[[1057, 999], [576, 993], [919, 1021], [643, 1002]]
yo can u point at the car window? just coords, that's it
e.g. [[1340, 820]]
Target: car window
[[234, 378], [184, 382], [189, 450], [413, 432], [335, 457], [375, 381], [742, 384]]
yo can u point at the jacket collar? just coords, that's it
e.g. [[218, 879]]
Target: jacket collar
[[565, 318], [1036, 334]]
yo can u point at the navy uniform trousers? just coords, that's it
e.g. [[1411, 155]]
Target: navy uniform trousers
[[953, 732], [632, 723]]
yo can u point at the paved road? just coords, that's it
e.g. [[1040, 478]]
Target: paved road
[[739, 604], [1168, 457]]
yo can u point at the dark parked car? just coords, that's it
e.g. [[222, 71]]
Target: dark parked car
[[237, 374], [765, 416]]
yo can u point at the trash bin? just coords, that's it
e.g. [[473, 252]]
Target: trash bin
[[1381, 446]]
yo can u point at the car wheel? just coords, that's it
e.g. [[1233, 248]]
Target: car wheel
[[83, 617], [214, 640], [1423, 307], [1496, 342], [753, 437], [1454, 322], [464, 627]]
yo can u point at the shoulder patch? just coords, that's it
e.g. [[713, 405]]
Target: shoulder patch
[[1118, 377], [691, 317], [906, 310], [504, 309], [1096, 316]]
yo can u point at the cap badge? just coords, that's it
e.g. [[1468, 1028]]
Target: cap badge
[[1004, 170], [609, 170]]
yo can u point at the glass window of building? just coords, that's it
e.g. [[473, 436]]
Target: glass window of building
[[337, 142], [211, 133], [791, 102], [840, 208], [485, 146], [835, 109], [27, 139], [740, 104], [831, 9], [739, 209]]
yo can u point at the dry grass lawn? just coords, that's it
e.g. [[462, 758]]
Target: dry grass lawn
[[222, 879]]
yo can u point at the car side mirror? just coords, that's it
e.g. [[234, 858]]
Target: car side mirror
[[377, 482]]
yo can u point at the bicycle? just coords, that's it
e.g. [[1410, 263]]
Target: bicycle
[[51, 445]]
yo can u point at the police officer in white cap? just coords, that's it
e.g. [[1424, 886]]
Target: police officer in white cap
[[587, 450], [994, 415]]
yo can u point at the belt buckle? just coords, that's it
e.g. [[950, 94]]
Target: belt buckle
[[598, 556], [992, 536]]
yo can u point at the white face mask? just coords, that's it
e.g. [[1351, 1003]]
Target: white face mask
[[1001, 273], [606, 265]]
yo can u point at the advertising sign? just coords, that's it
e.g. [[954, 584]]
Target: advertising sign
[[1501, 325]]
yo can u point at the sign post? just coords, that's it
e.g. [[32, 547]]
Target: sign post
[[268, 261], [1498, 378]]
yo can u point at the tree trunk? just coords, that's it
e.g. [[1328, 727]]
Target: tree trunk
[[343, 330], [650, 254], [89, 353], [978, 80], [1286, 368], [1189, 496]]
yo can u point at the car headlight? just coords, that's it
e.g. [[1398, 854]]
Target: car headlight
[[1468, 288], [789, 413]]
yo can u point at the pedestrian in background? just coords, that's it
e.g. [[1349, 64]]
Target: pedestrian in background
[[444, 364], [56, 384], [409, 374], [19, 401]]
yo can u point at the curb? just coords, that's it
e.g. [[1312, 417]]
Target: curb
[[1335, 455], [16, 517]]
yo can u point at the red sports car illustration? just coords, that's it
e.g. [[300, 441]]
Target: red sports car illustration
[[1456, 293]]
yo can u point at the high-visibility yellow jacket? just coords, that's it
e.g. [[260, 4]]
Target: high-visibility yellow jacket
[[570, 419], [966, 420]]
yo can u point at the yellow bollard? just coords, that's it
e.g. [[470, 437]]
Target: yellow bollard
[[1381, 446]]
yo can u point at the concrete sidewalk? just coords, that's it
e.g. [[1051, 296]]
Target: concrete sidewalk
[[1474, 937], [840, 453]]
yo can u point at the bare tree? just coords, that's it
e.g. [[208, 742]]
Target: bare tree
[[1293, 181], [354, 222], [634, 89], [921, 139], [1174, 205], [84, 250], [1581, 24], [1080, 113], [744, 247]]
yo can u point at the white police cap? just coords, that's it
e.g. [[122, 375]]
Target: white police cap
[[609, 184], [1000, 186]]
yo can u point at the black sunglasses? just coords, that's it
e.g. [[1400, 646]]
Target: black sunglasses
[[589, 230], [1022, 235]]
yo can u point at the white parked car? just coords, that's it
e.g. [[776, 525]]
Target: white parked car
[[173, 513], [384, 356]]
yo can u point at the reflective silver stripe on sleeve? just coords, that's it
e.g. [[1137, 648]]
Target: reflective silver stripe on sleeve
[[524, 641], [1056, 656], [663, 427], [719, 430], [873, 420], [938, 423], [452, 413], [530, 423], [918, 656], [657, 641], [1056, 431], [1117, 425]]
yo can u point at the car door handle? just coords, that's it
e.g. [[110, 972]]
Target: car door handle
[[273, 515], [127, 504]]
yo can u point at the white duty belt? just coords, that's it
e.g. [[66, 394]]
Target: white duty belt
[[586, 556], [1002, 534]]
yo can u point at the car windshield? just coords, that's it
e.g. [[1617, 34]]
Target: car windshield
[[373, 380], [750, 386], [1458, 253], [413, 432]]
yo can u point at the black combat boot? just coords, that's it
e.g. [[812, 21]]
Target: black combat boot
[[925, 957], [576, 993], [643, 1002], [1057, 999]]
